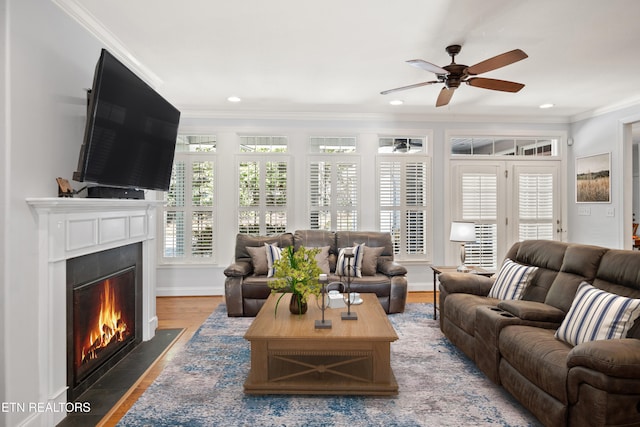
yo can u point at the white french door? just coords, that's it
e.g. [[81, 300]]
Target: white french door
[[509, 201]]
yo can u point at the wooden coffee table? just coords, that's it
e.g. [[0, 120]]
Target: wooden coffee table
[[290, 356]]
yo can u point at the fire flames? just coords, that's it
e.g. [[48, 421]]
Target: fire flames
[[109, 328]]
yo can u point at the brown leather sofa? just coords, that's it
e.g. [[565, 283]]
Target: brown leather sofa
[[246, 291], [594, 383]]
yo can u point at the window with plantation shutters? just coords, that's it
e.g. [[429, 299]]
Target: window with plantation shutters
[[188, 216], [333, 194], [536, 219], [262, 194], [403, 198], [333, 183], [479, 192], [508, 201]]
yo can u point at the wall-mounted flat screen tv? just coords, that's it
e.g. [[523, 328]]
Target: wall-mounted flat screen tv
[[130, 133]]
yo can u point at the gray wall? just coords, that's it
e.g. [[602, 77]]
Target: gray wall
[[603, 134]]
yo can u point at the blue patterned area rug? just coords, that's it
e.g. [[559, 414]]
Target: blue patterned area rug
[[438, 386]]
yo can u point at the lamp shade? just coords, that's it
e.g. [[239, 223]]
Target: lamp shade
[[463, 231]]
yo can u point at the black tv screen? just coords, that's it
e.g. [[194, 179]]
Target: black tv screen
[[130, 133]]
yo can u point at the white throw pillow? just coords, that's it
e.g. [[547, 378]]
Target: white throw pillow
[[355, 262], [597, 315], [511, 280], [274, 253]]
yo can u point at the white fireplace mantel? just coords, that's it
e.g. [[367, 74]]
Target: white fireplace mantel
[[71, 227]]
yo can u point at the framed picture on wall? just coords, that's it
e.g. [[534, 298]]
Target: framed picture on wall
[[593, 179]]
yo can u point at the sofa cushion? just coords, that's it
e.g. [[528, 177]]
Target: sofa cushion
[[547, 256], [373, 239], [597, 315], [355, 262], [322, 258], [244, 241], [580, 264], [370, 260], [259, 259], [274, 253], [511, 280]]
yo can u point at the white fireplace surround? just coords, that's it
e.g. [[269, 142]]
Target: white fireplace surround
[[72, 227]]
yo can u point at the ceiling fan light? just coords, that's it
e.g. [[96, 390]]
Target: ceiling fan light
[[396, 102], [234, 99], [545, 106]]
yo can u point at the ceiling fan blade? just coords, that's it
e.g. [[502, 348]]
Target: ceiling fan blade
[[497, 62], [445, 96], [384, 92], [427, 66], [495, 84]]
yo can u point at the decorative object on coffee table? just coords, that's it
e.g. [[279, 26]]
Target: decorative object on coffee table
[[349, 315], [296, 273], [323, 324], [463, 232]]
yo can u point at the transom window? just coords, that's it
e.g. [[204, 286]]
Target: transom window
[[401, 145], [263, 144], [332, 144], [504, 146]]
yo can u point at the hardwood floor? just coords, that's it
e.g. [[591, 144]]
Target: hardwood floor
[[188, 313]]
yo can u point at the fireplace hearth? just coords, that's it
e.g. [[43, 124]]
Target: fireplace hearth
[[103, 313]]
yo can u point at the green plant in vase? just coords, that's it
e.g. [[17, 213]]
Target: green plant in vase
[[296, 273]]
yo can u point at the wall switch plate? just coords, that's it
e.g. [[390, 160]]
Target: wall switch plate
[[584, 211], [611, 211]]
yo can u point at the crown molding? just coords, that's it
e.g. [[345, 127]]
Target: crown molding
[[197, 113], [632, 102], [90, 23]]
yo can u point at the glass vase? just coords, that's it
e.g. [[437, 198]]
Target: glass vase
[[296, 306]]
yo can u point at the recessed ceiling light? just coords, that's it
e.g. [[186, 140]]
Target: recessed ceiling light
[[234, 99], [396, 102], [546, 106]]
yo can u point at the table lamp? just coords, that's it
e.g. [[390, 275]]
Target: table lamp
[[462, 232]]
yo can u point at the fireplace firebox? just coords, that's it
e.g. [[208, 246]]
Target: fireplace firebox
[[103, 313]]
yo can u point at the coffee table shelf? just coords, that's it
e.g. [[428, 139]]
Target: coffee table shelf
[[290, 356]]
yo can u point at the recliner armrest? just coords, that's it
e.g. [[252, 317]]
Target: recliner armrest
[[239, 269], [465, 283], [617, 357], [392, 268], [532, 310]]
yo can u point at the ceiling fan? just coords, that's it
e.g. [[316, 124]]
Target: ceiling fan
[[454, 74]]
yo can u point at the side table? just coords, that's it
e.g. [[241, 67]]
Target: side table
[[437, 270]]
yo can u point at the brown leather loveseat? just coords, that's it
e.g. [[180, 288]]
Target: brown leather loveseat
[[593, 383], [246, 280]]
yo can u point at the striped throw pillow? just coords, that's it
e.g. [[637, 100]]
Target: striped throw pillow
[[511, 280], [597, 315], [273, 254], [355, 262]]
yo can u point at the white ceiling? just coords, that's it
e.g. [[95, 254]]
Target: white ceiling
[[337, 55]]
